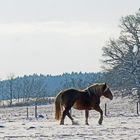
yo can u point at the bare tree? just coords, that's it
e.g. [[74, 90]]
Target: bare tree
[[18, 90], [33, 87], [11, 88], [123, 54], [28, 84], [39, 89]]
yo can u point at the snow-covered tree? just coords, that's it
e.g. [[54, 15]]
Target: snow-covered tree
[[123, 54]]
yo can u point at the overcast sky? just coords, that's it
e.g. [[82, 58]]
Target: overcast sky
[[57, 36]]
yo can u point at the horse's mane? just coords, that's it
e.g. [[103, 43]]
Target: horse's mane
[[96, 88]]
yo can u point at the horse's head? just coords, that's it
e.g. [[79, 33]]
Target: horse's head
[[107, 92], [101, 89]]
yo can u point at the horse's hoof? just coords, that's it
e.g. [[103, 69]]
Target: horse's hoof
[[61, 123], [100, 123], [86, 123]]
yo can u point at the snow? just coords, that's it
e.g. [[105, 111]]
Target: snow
[[122, 123]]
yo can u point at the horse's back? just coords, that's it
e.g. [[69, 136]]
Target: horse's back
[[70, 93]]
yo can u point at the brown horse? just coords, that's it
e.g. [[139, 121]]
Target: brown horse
[[87, 99]]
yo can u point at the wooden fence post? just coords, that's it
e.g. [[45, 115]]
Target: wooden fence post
[[27, 113], [105, 109], [138, 108], [36, 111]]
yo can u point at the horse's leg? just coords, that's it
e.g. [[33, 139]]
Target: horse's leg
[[68, 105], [69, 115], [63, 116], [97, 108], [86, 116], [66, 112]]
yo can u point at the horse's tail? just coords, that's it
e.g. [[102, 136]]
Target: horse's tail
[[58, 106]]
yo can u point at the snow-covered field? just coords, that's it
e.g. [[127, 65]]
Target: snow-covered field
[[122, 123]]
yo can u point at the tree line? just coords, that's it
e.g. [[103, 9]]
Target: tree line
[[41, 86]]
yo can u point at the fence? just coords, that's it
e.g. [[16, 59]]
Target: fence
[[113, 108], [116, 109]]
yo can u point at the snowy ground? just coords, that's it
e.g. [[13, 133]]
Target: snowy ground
[[122, 123]]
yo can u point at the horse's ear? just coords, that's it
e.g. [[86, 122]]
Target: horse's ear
[[104, 86]]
